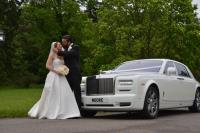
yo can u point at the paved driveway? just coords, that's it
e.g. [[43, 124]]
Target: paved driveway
[[170, 121]]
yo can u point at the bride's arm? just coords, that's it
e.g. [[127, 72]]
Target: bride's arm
[[74, 52], [49, 64]]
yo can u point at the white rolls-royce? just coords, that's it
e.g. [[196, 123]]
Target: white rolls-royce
[[146, 85]]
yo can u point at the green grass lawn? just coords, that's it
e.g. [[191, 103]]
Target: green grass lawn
[[16, 102]]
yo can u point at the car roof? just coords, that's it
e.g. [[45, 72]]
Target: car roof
[[150, 59], [159, 59]]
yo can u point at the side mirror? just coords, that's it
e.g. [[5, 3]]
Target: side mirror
[[171, 71]]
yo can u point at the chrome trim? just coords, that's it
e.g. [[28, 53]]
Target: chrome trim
[[101, 86]]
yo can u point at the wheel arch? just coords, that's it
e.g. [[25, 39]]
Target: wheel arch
[[197, 88], [149, 84], [156, 87]]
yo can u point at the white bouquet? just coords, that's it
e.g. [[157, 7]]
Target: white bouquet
[[63, 70]]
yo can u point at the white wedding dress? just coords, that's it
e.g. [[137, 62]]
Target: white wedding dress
[[57, 100]]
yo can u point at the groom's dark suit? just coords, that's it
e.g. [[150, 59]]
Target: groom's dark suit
[[72, 60]]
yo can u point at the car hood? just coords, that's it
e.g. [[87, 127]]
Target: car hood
[[113, 74]]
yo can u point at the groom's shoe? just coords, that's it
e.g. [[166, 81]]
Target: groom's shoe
[[75, 118]]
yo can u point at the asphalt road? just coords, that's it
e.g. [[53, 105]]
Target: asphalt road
[[169, 121]]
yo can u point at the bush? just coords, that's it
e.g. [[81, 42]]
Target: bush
[[25, 79]]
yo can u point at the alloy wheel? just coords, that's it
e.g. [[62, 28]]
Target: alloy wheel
[[152, 102]]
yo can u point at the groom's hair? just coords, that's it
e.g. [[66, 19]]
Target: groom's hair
[[68, 37]]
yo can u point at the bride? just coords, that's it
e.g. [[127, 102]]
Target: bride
[[57, 100]]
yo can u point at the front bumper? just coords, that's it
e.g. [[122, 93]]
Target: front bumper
[[122, 102]]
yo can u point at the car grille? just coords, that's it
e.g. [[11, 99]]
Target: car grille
[[99, 86]]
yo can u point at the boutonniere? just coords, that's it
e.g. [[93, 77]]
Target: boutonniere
[[70, 47]]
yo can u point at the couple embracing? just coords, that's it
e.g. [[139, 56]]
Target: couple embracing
[[61, 96]]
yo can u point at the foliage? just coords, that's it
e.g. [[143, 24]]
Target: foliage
[[132, 29], [108, 33]]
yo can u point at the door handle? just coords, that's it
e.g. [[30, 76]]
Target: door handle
[[180, 78]]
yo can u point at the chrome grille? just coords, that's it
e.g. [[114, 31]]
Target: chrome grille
[[99, 86]]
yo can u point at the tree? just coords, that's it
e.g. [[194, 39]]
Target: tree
[[132, 29], [9, 16], [39, 26], [108, 33]]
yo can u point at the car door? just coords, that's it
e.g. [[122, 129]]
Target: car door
[[187, 84], [170, 85]]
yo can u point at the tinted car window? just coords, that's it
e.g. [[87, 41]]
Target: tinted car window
[[182, 71], [168, 64], [141, 65]]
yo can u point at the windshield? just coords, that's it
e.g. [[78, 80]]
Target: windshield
[[141, 65]]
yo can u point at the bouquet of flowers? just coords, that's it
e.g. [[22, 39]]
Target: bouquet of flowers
[[63, 70]]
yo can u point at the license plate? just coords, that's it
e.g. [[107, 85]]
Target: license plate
[[97, 100]]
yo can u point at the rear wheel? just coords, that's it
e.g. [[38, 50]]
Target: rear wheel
[[88, 113], [151, 103], [196, 105]]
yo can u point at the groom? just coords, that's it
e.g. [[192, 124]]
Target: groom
[[71, 56]]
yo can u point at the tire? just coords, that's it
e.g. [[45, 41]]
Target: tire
[[88, 113], [151, 103], [196, 104]]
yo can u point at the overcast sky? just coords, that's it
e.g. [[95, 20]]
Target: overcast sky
[[198, 4]]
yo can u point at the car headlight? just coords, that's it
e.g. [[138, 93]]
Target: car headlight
[[83, 84], [126, 82], [83, 87]]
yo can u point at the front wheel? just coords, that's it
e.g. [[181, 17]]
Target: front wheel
[[151, 103], [196, 105]]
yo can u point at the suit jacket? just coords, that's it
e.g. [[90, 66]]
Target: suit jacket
[[72, 59]]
